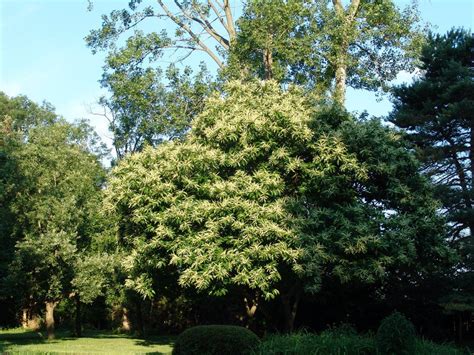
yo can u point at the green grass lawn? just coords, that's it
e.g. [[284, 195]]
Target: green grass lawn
[[19, 341]]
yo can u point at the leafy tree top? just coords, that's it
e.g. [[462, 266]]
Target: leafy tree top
[[266, 192]]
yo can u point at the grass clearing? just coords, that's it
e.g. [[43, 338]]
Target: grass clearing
[[19, 341]]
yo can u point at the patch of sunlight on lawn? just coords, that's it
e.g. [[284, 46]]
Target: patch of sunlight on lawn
[[15, 341]]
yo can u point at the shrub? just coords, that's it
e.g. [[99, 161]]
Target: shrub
[[327, 343], [426, 347], [340, 341], [396, 335], [215, 339]]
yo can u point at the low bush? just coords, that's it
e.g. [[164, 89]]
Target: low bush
[[216, 339], [337, 342], [328, 342], [396, 335], [426, 347]]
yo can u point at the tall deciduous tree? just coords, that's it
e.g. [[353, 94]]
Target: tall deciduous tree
[[325, 44], [328, 45], [17, 116], [142, 110]]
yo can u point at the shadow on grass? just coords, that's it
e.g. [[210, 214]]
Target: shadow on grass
[[29, 337], [15, 337], [155, 340]]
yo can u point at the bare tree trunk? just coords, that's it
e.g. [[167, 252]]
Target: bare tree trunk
[[126, 326], [251, 305], [340, 90], [268, 63], [49, 318]]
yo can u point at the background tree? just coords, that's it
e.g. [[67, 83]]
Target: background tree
[[193, 22], [271, 36], [327, 45], [323, 45], [54, 190], [436, 111], [142, 110], [17, 116]]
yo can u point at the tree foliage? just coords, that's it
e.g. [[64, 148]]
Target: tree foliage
[[142, 110], [323, 45], [327, 45], [53, 196], [267, 195], [436, 111], [18, 115]]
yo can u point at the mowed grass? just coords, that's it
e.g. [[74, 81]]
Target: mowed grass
[[19, 341]]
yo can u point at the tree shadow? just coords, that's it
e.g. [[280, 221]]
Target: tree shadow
[[155, 340], [28, 337], [19, 337]]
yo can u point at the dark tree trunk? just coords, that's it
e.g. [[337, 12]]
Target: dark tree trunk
[[139, 329], [471, 187], [290, 303], [49, 318], [77, 318], [268, 64]]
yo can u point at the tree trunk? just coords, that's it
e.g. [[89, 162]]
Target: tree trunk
[[268, 63], [471, 190], [24, 318], [290, 303], [125, 320], [340, 90], [139, 329], [77, 318], [251, 305], [49, 318]]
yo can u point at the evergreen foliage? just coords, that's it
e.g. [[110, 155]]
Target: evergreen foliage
[[437, 113]]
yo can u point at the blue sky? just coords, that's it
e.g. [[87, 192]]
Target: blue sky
[[43, 53]]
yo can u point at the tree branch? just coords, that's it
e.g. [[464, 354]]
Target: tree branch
[[218, 14], [230, 21], [353, 8], [195, 37], [204, 23]]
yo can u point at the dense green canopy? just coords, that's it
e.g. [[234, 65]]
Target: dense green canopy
[[269, 193]]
